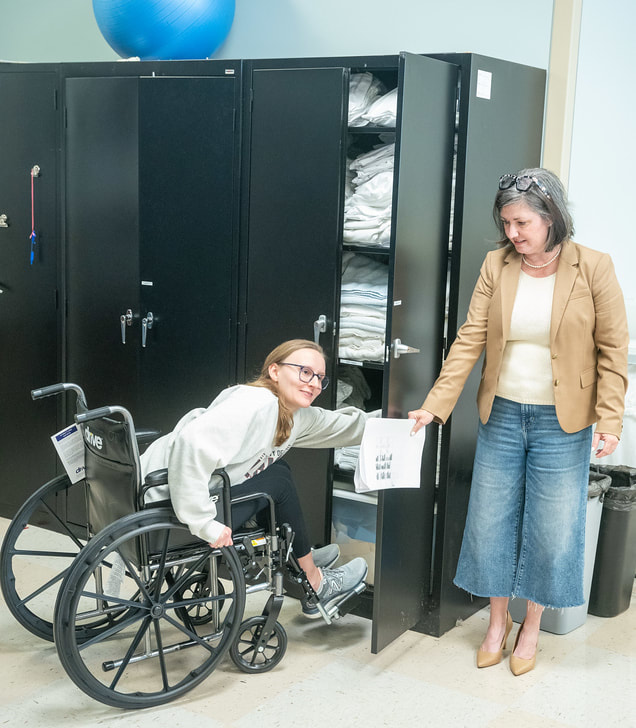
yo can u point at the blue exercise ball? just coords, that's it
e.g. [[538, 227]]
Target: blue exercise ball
[[164, 29]]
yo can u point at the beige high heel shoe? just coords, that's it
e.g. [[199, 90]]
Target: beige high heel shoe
[[519, 666], [487, 659]]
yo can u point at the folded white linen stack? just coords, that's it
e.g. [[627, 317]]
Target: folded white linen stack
[[383, 111], [346, 458], [364, 90], [367, 215], [363, 302]]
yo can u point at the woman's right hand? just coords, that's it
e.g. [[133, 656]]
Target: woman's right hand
[[224, 539], [422, 418]]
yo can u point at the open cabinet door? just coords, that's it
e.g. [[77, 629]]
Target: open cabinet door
[[421, 218]]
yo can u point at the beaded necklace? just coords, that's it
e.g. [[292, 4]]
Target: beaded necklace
[[544, 265]]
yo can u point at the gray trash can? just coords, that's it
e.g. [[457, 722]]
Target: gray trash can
[[561, 621], [615, 566]]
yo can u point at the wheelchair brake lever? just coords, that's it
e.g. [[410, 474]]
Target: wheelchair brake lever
[[289, 540], [288, 554]]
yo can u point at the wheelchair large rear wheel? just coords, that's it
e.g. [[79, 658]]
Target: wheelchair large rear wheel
[[158, 650], [35, 559]]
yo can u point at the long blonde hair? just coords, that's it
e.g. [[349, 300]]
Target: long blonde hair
[[280, 354]]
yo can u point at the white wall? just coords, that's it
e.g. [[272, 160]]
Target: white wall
[[514, 31], [603, 161], [65, 30], [51, 31]]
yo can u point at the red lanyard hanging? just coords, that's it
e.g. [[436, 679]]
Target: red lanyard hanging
[[35, 172]]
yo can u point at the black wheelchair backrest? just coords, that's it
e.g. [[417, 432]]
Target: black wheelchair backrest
[[113, 472]]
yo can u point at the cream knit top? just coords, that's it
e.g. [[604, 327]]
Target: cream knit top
[[526, 368]]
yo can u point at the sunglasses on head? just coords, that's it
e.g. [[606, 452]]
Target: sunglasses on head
[[522, 183]]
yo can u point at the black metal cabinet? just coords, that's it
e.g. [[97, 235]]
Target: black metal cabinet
[[29, 321], [201, 208], [454, 137], [151, 165], [306, 123]]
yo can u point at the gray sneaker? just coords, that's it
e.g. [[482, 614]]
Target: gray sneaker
[[326, 556], [335, 584]]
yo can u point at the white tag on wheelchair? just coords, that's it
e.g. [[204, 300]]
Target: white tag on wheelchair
[[70, 449], [389, 456], [115, 576]]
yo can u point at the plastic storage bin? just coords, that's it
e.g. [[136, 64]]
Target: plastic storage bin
[[354, 517], [615, 566], [561, 621]]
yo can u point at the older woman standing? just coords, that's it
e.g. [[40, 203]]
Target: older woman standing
[[550, 316]]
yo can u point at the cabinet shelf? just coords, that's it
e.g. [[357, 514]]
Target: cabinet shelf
[[368, 249], [363, 364], [375, 130]]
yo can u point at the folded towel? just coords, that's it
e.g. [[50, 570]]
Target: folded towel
[[383, 111], [364, 89], [361, 349]]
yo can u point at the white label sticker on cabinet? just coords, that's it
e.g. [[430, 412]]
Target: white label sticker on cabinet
[[397, 303], [147, 283], [484, 83]]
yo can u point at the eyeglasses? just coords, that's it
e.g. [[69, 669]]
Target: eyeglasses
[[522, 183], [305, 374]]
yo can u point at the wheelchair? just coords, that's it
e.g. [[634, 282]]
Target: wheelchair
[[30, 574], [145, 611]]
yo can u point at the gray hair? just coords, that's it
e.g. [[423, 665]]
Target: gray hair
[[553, 209]]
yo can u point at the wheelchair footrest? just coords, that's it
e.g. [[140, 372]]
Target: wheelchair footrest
[[343, 605]]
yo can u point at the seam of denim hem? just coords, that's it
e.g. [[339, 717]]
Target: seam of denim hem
[[549, 606], [481, 596], [516, 596]]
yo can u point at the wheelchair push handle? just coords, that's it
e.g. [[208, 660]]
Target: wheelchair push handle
[[96, 414], [55, 389]]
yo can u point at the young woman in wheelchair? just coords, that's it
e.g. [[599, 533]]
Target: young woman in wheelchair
[[246, 430]]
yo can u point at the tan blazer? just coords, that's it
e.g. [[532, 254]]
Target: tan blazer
[[588, 340]]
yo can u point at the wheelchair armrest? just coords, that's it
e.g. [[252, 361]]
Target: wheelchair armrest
[[152, 480], [145, 436], [270, 506], [157, 477]]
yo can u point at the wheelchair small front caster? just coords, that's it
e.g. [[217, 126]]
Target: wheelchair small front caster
[[248, 655]]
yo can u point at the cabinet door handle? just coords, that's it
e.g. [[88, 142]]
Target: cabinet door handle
[[320, 326], [146, 323], [399, 348], [125, 320]]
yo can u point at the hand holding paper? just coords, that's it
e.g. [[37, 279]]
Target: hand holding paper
[[422, 418], [389, 456]]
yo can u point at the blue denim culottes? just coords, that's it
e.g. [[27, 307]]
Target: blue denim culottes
[[525, 529]]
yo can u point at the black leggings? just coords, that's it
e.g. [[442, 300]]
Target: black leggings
[[277, 481]]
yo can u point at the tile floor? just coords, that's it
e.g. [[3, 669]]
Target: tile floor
[[329, 677]]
